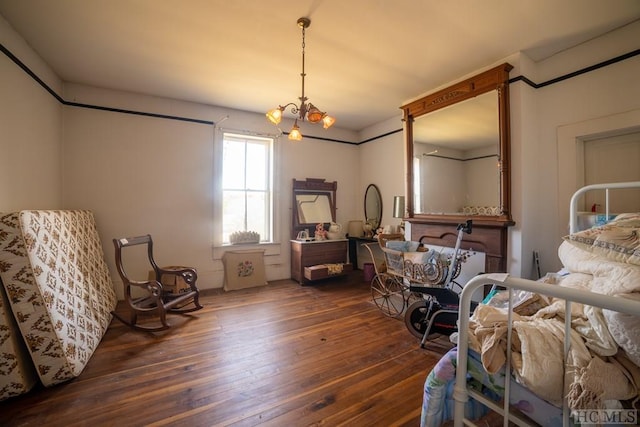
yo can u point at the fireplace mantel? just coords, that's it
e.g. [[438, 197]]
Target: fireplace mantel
[[488, 236]]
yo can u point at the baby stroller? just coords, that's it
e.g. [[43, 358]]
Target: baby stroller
[[437, 311]]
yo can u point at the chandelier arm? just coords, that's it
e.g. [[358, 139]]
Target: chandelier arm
[[294, 107]]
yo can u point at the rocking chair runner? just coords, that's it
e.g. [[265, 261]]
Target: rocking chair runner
[[155, 298]]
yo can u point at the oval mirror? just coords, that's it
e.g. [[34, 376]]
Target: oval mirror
[[373, 206]]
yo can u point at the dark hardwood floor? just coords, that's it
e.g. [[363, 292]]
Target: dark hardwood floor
[[279, 355]]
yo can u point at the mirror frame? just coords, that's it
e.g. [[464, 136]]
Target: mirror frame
[[311, 186], [373, 188], [497, 79]]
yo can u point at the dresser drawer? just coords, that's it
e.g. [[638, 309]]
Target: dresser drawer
[[307, 254], [325, 253]]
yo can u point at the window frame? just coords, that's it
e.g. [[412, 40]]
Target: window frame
[[271, 247], [246, 189]]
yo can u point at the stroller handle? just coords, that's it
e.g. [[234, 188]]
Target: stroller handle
[[462, 228], [466, 227]]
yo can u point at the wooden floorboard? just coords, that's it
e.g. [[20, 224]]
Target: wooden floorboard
[[278, 355]]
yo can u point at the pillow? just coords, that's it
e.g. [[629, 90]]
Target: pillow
[[403, 245], [617, 241], [627, 219]]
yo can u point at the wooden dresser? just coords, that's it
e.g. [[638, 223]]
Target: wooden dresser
[[315, 255]]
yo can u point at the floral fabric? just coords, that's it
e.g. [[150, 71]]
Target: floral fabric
[[438, 403], [17, 373], [58, 286]]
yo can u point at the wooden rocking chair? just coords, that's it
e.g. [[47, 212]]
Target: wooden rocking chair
[[155, 297]]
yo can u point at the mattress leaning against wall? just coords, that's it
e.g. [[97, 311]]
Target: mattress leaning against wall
[[58, 286], [17, 373]]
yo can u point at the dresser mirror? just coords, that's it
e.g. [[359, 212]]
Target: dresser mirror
[[373, 206], [314, 202], [457, 144], [313, 208]]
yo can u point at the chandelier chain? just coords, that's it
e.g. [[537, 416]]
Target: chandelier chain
[[303, 99]]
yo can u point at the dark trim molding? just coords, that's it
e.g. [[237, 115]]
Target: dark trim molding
[[33, 75], [138, 113], [524, 79], [576, 73], [381, 136], [94, 107], [46, 87], [439, 156], [321, 138]]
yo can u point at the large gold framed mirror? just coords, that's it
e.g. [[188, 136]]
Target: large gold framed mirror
[[458, 151]]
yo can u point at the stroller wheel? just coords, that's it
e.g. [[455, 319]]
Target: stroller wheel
[[417, 317], [387, 294]]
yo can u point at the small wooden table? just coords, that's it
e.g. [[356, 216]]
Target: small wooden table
[[354, 242]]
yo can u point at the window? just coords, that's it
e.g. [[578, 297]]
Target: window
[[247, 185], [417, 188]]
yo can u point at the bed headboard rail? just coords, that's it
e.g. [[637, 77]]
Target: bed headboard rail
[[573, 224]]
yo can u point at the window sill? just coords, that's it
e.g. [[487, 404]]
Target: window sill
[[269, 249]]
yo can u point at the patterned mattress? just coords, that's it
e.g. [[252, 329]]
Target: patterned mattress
[[58, 286], [17, 374]]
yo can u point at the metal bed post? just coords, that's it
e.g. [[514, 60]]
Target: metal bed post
[[573, 206]]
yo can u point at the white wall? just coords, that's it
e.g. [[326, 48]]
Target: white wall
[[596, 97], [154, 175], [482, 176], [381, 163], [30, 131], [142, 175]]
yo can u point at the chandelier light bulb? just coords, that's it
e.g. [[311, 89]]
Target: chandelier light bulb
[[328, 121], [313, 114], [295, 134], [275, 115]]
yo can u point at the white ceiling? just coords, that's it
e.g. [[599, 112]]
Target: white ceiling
[[364, 58]]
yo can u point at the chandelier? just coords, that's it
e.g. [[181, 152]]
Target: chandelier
[[305, 110]]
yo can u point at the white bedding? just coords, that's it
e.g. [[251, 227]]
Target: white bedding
[[605, 351], [609, 278]]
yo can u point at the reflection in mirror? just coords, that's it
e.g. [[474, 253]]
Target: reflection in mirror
[[457, 142], [313, 208], [314, 202], [373, 206], [456, 158]]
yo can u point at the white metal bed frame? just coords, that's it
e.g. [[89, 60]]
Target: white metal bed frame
[[461, 393]]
